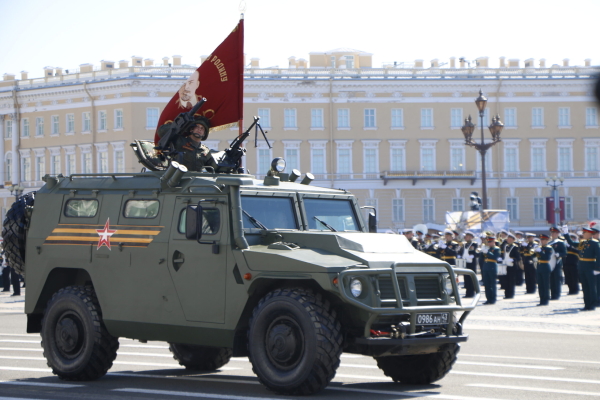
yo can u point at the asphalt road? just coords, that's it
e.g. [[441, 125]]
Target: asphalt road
[[507, 358]]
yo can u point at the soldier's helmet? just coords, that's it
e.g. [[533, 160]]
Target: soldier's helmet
[[202, 120]]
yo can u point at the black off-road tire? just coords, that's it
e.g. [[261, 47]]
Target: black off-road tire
[[14, 232], [421, 369], [76, 343], [294, 341], [201, 358]]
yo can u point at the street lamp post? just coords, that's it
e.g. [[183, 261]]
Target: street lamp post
[[555, 183], [495, 129], [17, 190]]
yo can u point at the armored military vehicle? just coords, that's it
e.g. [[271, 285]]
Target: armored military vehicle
[[221, 265]]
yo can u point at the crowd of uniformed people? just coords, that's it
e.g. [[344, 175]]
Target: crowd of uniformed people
[[540, 262]]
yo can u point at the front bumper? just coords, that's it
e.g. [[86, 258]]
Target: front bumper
[[382, 347]]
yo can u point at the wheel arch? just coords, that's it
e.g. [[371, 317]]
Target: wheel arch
[[57, 279]]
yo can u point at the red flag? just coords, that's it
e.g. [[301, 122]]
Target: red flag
[[220, 79]]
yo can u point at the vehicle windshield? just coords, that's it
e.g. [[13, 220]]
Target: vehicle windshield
[[271, 212], [337, 213]]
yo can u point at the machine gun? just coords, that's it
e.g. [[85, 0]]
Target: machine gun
[[182, 124], [231, 161]]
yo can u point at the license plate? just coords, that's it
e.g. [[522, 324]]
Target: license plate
[[432, 319]]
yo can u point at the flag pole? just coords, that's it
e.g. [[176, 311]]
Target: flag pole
[[241, 88]]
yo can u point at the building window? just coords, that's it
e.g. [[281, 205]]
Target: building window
[[265, 117], [343, 118], [537, 117], [564, 159], [85, 122], [292, 159], [428, 210], [456, 117], [510, 117], [369, 118], [564, 117], [25, 169], [568, 208], [264, 161], [593, 208], [457, 159], [349, 61], [86, 163], [488, 161], [70, 123], [318, 160], [102, 120], [316, 118], [539, 208], [591, 158], [591, 117], [55, 127], [426, 117], [538, 159], [25, 132], [397, 159], [332, 61], [151, 117], [486, 117], [398, 210], [55, 164], [458, 204], [118, 119], [427, 159], [70, 164], [119, 161], [289, 118], [511, 161], [39, 126], [40, 167], [344, 161], [8, 129], [102, 162], [8, 167], [397, 118], [371, 161], [512, 206]]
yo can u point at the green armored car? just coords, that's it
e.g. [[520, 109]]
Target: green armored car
[[221, 265]]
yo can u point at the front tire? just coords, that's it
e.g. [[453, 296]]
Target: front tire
[[420, 369], [201, 358], [294, 341], [76, 343]]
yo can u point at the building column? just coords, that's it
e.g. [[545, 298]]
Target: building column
[[16, 160], [3, 178]]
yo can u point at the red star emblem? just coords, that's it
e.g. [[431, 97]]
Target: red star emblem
[[105, 235]]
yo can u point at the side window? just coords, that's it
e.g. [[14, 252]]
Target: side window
[[141, 209], [81, 208], [211, 221]]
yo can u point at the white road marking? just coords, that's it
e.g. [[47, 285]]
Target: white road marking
[[17, 398], [169, 355], [359, 366], [531, 358], [540, 378], [43, 384], [425, 395], [509, 365], [31, 335], [194, 394], [26, 369], [22, 358], [144, 346], [20, 349], [533, 389], [530, 330], [20, 341]]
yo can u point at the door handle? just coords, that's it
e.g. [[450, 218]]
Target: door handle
[[178, 260]]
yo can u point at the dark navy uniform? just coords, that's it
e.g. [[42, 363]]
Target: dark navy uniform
[[449, 251], [570, 267], [511, 270], [529, 263], [489, 270], [560, 251], [589, 261], [543, 273], [469, 251]]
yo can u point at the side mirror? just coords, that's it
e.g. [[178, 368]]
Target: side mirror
[[193, 222], [372, 223]]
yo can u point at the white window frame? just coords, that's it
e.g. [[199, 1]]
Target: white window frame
[[513, 145], [400, 146], [510, 122], [427, 144], [565, 146], [102, 158], [539, 208], [40, 163], [265, 117], [86, 159], [568, 208], [39, 126], [316, 119], [397, 116], [593, 204], [512, 206], [369, 119], [70, 156], [564, 117], [539, 144], [8, 166], [344, 146], [320, 145], [349, 61], [261, 150], [537, 118], [591, 117], [343, 121], [118, 156], [427, 119], [102, 121], [26, 131], [397, 209], [426, 203], [8, 129], [54, 125], [54, 157], [118, 115], [150, 117], [458, 146], [70, 124], [368, 147], [458, 204], [592, 144], [25, 164], [456, 118], [288, 147], [86, 122], [290, 119]]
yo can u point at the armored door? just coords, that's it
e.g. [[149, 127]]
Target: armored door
[[198, 270]]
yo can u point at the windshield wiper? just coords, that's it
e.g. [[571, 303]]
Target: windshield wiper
[[331, 228], [254, 221]]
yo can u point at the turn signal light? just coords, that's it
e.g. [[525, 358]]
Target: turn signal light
[[335, 281], [248, 276]]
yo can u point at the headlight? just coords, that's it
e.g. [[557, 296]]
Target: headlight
[[278, 164], [356, 287], [448, 285]]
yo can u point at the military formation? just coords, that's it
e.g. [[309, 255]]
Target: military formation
[[541, 263]]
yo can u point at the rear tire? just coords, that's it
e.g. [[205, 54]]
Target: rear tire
[[294, 341], [201, 358], [420, 369], [76, 343], [14, 232]]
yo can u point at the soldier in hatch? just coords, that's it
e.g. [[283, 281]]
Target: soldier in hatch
[[192, 153]]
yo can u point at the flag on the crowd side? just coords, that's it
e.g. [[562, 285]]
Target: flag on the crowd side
[[220, 79], [475, 221]]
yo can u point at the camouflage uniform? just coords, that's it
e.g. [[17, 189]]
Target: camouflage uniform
[[194, 155]]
